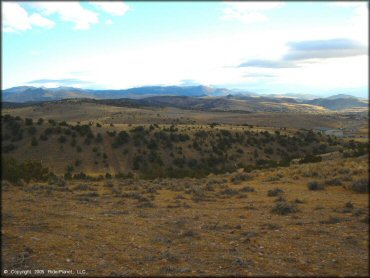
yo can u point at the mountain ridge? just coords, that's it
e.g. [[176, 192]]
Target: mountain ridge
[[177, 96]]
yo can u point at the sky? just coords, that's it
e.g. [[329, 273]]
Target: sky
[[318, 48]]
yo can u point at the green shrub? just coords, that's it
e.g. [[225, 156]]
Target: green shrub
[[32, 130], [34, 142], [40, 121], [310, 159], [314, 185], [80, 176], [99, 138], [44, 137], [8, 148], [28, 121], [62, 139], [14, 171]]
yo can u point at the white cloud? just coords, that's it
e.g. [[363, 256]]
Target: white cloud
[[16, 18], [68, 11], [115, 8], [108, 22], [350, 4], [331, 74], [248, 12], [38, 20]]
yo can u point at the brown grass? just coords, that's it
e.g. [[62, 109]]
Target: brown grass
[[111, 230]]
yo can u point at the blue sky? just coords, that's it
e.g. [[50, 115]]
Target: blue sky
[[265, 47]]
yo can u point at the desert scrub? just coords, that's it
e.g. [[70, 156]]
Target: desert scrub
[[280, 199], [331, 220], [314, 185], [284, 208], [272, 178], [247, 189], [360, 186], [335, 182], [189, 233], [109, 183], [145, 204], [82, 187], [241, 177], [275, 192], [229, 192]]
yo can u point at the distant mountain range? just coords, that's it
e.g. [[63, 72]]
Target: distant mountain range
[[29, 93], [178, 96]]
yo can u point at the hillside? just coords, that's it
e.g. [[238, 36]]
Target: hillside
[[339, 103], [159, 150]]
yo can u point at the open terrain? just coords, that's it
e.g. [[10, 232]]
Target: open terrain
[[266, 222], [149, 190]]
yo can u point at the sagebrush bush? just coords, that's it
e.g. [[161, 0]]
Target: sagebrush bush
[[360, 186], [314, 185], [335, 182], [284, 208], [247, 189], [275, 192]]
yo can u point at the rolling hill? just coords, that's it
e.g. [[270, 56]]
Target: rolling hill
[[184, 97]]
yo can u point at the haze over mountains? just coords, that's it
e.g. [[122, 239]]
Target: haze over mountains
[[201, 97]]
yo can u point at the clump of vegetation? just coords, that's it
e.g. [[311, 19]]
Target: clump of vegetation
[[310, 159], [360, 186], [335, 182], [331, 220], [8, 148], [189, 233], [275, 192], [55, 180], [240, 177], [284, 208], [299, 201], [14, 171], [314, 185], [247, 189], [280, 199], [229, 191], [34, 142], [28, 121], [81, 187]]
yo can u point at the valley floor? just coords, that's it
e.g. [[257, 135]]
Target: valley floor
[[212, 226]]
